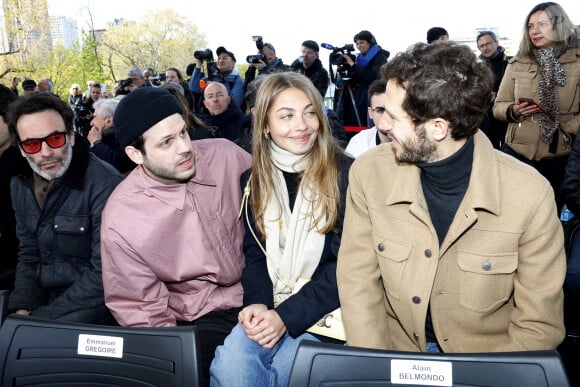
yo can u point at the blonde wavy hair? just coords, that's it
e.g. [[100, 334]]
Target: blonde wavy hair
[[322, 170]]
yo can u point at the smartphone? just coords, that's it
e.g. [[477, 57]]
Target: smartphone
[[534, 103]]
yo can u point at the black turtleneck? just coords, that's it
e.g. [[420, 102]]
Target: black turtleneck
[[444, 185]]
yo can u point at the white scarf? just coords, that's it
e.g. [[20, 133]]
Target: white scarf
[[293, 244]]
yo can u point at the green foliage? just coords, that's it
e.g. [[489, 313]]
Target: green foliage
[[160, 40]]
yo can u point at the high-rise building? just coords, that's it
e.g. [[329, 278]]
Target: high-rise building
[[63, 31]]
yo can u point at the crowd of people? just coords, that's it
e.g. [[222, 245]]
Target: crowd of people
[[236, 204]]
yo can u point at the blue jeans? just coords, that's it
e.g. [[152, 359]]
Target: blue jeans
[[243, 362], [432, 347]]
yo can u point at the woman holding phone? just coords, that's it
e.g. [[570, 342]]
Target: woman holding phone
[[540, 93]]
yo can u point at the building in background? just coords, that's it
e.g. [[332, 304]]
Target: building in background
[[24, 27], [63, 31]]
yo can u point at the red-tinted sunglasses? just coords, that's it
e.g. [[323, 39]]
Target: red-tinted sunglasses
[[33, 145]]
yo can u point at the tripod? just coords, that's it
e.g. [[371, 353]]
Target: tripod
[[347, 90], [344, 74]]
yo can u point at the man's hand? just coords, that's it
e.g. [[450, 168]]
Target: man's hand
[[260, 65], [23, 312], [94, 135]]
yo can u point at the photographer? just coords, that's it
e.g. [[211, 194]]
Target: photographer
[[310, 65], [362, 73], [84, 112], [224, 71], [265, 62], [134, 80]]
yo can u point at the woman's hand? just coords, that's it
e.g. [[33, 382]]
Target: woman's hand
[[262, 325], [524, 109]]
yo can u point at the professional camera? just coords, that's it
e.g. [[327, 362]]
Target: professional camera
[[336, 57], [123, 87], [259, 45], [125, 82], [259, 42], [256, 58], [206, 55], [156, 79]]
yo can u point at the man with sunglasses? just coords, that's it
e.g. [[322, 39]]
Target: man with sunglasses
[[58, 203]]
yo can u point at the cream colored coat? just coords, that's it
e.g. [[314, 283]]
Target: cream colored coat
[[495, 283], [521, 79]]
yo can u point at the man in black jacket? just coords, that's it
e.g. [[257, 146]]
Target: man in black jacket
[[11, 164], [103, 137], [58, 204], [310, 65], [494, 56], [219, 112]]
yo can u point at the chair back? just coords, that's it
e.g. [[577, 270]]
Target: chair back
[[332, 365], [40, 352]]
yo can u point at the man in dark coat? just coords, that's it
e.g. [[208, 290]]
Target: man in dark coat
[[11, 164], [310, 65], [220, 113], [58, 204], [494, 56]]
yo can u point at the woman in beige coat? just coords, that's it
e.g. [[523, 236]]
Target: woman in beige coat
[[545, 70]]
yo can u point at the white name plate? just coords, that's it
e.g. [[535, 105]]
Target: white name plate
[[107, 346], [422, 372]]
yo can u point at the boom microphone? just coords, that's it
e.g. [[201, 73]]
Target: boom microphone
[[327, 46]]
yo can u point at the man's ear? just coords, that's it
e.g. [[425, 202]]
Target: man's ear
[[440, 129], [134, 154]]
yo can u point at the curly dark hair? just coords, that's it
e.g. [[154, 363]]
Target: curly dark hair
[[38, 103], [443, 81]]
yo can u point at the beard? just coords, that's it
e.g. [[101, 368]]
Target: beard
[[64, 162], [170, 175], [418, 149]]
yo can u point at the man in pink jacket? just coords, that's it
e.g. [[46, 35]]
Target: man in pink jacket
[[171, 236]]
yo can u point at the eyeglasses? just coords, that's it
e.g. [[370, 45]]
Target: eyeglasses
[[33, 145], [379, 110], [485, 45]]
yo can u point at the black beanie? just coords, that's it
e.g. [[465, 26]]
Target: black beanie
[[435, 33], [139, 110]]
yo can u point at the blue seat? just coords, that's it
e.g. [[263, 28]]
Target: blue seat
[[39, 352], [332, 365]]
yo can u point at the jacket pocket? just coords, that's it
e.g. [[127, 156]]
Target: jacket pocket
[[73, 235], [392, 257], [487, 281]]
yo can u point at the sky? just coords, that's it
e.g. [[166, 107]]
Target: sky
[[396, 25]]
